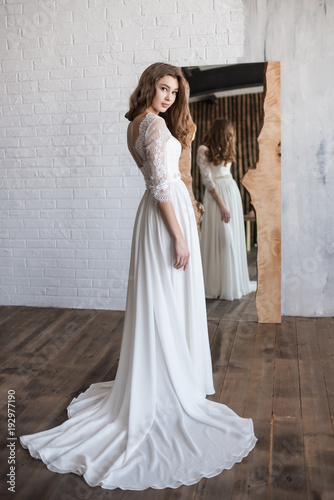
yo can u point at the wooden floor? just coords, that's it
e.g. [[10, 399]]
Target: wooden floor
[[282, 376]]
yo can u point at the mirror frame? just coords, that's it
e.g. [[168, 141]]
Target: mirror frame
[[264, 185]]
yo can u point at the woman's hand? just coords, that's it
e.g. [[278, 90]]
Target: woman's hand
[[182, 253], [222, 207], [226, 216], [181, 250]]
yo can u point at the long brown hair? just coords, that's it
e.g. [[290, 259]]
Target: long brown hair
[[177, 117], [220, 140]]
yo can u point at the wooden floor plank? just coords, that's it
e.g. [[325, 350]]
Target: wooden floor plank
[[41, 484], [149, 494], [325, 336], [73, 487], [181, 493], [84, 359], [24, 317], [288, 474], [15, 331], [236, 309], [53, 403], [317, 424], [235, 387], [6, 312], [249, 314], [287, 389], [261, 378], [48, 394], [221, 348], [218, 488], [212, 328], [252, 475], [36, 367], [16, 352], [216, 309]]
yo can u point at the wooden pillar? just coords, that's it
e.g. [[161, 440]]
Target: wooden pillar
[[264, 186]]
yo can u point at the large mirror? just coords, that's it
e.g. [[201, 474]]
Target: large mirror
[[236, 92]]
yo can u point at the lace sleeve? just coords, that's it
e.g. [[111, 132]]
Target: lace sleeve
[[155, 141], [204, 166]]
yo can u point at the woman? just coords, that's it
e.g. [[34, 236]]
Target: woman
[[223, 245], [152, 426]]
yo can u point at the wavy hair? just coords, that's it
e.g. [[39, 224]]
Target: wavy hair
[[177, 117], [220, 140]]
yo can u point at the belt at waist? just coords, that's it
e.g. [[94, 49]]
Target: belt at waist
[[173, 178], [227, 176]]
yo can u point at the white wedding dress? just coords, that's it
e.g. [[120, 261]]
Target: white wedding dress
[[153, 426], [223, 245]]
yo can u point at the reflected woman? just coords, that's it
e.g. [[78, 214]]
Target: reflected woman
[[223, 245]]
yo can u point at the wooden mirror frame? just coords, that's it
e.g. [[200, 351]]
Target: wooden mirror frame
[[264, 186]]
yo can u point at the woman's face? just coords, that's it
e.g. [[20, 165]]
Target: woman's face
[[166, 90]]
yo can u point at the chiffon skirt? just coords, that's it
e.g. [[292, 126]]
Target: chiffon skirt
[[152, 426], [223, 245]]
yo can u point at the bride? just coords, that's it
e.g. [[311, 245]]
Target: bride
[[223, 245], [153, 426]]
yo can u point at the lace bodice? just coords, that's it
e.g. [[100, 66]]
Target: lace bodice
[[159, 153], [210, 172]]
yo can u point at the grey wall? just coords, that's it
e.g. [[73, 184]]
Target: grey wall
[[300, 34]]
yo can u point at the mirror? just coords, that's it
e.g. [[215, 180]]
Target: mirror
[[236, 92]]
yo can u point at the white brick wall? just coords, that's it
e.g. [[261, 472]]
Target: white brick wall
[[68, 186]]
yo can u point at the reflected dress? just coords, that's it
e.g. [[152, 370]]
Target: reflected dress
[[223, 245], [152, 426]]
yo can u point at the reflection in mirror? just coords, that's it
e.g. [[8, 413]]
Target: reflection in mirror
[[233, 92]]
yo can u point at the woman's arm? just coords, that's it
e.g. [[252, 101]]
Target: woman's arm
[[203, 163], [182, 253], [155, 140], [226, 216]]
